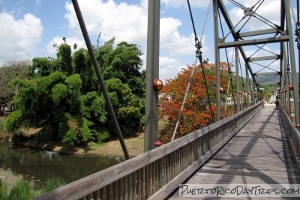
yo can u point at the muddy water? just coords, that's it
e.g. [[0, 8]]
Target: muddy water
[[38, 166]]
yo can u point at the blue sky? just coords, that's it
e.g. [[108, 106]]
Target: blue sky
[[29, 28]]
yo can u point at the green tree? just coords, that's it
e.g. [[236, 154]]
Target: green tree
[[64, 56], [42, 66], [124, 63], [68, 104], [129, 107], [83, 66]]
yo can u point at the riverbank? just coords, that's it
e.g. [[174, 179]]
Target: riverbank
[[135, 147]]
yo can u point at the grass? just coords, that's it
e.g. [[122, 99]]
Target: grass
[[24, 191], [53, 183], [3, 190]]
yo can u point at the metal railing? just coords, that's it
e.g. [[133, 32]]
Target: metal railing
[[291, 130], [157, 173]]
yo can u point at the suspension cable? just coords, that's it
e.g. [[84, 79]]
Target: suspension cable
[[198, 56], [198, 45], [266, 21], [265, 66], [205, 21], [237, 4], [258, 2], [266, 49], [293, 13], [192, 20], [258, 49], [184, 99]]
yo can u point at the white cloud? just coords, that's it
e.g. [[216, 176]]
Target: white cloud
[[183, 3], [37, 2], [169, 68], [128, 22], [172, 41], [124, 21], [19, 38]]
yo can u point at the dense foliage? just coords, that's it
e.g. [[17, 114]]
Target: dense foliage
[[64, 99], [196, 112]]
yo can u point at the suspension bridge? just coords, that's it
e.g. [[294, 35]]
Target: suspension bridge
[[259, 144]]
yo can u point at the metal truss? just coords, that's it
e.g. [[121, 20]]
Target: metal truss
[[264, 46]]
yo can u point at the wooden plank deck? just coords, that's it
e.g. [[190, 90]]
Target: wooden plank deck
[[258, 154]]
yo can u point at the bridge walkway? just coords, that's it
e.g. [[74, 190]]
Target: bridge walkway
[[259, 154]]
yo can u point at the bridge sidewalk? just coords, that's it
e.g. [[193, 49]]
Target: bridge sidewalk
[[258, 154]]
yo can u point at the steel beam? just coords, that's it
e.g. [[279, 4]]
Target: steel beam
[[254, 41], [286, 80], [238, 97], [217, 60], [247, 86], [268, 83], [275, 57], [260, 32], [152, 72], [292, 59], [266, 74]]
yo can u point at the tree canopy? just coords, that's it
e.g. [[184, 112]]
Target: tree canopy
[[64, 99], [196, 112], [10, 71]]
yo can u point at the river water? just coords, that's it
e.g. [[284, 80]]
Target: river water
[[37, 166]]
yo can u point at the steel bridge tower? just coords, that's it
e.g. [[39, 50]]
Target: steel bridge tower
[[263, 47]]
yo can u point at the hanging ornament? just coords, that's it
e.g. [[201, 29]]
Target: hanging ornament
[[157, 84], [222, 90]]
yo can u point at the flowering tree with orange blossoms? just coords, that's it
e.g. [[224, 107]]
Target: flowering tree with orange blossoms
[[196, 112]]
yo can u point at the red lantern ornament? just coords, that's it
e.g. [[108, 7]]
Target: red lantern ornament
[[291, 87], [284, 90], [222, 90], [158, 143], [157, 84]]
